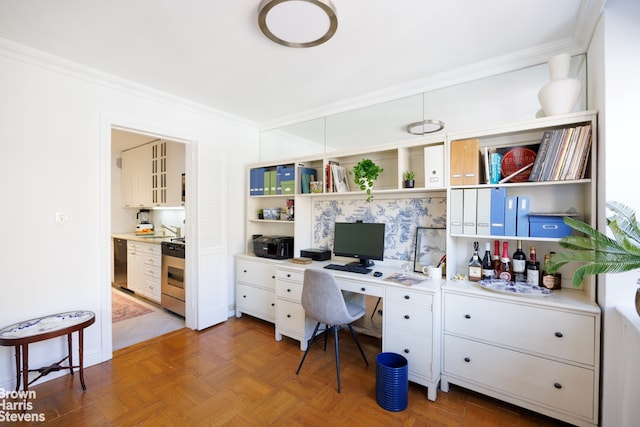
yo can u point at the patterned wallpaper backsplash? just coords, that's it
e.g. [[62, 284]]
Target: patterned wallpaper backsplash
[[401, 216]]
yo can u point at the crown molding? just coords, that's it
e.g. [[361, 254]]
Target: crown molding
[[26, 54]]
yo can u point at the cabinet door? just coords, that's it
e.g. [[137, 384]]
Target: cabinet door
[[136, 177], [173, 174], [256, 301]]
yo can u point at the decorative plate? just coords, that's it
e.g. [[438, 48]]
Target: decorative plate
[[514, 288]]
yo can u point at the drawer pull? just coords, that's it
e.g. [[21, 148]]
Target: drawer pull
[[273, 304], [363, 289], [559, 334], [557, 385], [288, 275], [466, 359], [244, 296], [288, 290], [406, 350], [288, 315], [467, 316], [244, 271], [273, 277], [407, 297], [406, 316]]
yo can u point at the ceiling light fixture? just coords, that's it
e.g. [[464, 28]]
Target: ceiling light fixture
[[424, 127], [298, 23]]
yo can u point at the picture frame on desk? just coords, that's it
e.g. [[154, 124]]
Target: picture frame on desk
[[431, 247]]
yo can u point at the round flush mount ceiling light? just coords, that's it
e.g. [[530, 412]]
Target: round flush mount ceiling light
[[425, 126], [298, 23]]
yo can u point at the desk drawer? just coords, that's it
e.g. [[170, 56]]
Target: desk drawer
[[256, 273], [290, 316], [564, 387], [409, 296], [416, 348], [289, 290], [294, 276], [569, 336], [360, 287], [408, 316]]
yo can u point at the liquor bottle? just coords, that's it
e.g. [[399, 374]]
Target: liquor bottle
[[475, 266], [488, 272], [519, 264], [496, 256], [506, 268], [533, 268], [548, 280]]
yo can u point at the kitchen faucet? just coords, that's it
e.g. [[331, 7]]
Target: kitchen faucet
[[175, 231]]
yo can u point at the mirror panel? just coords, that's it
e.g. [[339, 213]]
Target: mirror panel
[[495, 100], [374, 125]]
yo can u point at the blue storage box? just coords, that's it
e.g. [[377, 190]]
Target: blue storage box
[[549, 225]]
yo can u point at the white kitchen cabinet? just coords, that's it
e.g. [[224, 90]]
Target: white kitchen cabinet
[[538, 353], [290, 316], [541, 353], [255, 287], [144, 269], [152, 175], [411, 325]]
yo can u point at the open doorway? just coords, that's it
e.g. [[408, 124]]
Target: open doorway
[[143, 216]]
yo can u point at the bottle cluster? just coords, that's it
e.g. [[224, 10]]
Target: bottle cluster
[[514, 268]]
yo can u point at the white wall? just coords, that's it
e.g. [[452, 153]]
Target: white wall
[[55, 157], [614, 66]]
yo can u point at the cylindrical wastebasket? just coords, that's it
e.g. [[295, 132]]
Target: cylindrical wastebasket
[[392, 381]]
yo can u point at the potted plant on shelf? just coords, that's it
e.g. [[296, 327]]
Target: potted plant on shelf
[[409, 177], [365, 173], [600, 253]]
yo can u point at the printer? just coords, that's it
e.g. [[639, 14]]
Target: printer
[[276, 247]]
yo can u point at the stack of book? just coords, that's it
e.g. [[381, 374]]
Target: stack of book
[[563, 154], [337, 181]]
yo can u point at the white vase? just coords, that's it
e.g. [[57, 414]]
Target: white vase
[[560, 95]]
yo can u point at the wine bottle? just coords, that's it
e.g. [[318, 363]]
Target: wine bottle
[[548, 281], [519, 264], [475, 266], [506, 269], [496, 256], [488, 272], [533, 268]]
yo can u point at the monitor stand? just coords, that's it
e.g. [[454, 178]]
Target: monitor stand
[[364, 262]]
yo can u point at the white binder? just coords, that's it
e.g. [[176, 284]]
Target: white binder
[[434, 166]]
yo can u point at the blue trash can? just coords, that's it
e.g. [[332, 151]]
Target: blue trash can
[[392, 381]]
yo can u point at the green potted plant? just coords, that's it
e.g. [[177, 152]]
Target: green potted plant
[[365, 173], [600, 253], [409, 177]]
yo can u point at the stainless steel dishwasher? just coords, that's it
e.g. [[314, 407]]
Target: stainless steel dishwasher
[[120, 262]]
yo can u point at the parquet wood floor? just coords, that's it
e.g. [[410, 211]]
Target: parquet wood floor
[[236, 374]]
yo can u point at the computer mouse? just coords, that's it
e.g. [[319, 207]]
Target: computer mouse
[[377, 274]]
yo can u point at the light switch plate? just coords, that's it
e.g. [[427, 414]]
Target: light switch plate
[[62, 219]]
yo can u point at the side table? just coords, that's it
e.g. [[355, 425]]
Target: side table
[[20, 335]]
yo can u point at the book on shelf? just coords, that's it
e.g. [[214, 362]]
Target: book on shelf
[[563, 154], [339, 178], [301, 260]]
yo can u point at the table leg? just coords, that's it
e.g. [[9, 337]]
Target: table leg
[[81, 356], [70, 345], [17, 347], [25, 366]]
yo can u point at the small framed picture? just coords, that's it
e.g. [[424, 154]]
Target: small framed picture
[[431, 247]]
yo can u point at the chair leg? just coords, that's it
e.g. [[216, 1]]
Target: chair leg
[[304, 356], [355, 338], [335, 335]]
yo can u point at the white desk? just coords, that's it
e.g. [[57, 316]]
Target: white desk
[[410, 324]]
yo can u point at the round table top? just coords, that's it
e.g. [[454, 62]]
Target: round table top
[[46, 326]]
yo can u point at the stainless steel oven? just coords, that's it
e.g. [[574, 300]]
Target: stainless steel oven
[[173, 277]]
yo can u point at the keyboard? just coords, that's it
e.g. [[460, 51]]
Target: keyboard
[[351, 268]]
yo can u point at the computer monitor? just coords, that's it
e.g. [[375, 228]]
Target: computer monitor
[[361, 240]]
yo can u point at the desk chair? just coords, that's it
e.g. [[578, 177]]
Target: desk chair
[[323, 302]]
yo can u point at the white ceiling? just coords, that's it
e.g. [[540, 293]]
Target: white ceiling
[[212, 52]]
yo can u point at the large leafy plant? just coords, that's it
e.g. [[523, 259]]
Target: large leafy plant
[[598, 252], [365, 173]]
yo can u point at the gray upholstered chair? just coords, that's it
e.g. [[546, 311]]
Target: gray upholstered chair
[[323, 302]]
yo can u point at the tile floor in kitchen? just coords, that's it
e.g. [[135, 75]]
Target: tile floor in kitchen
[[142, 328]]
